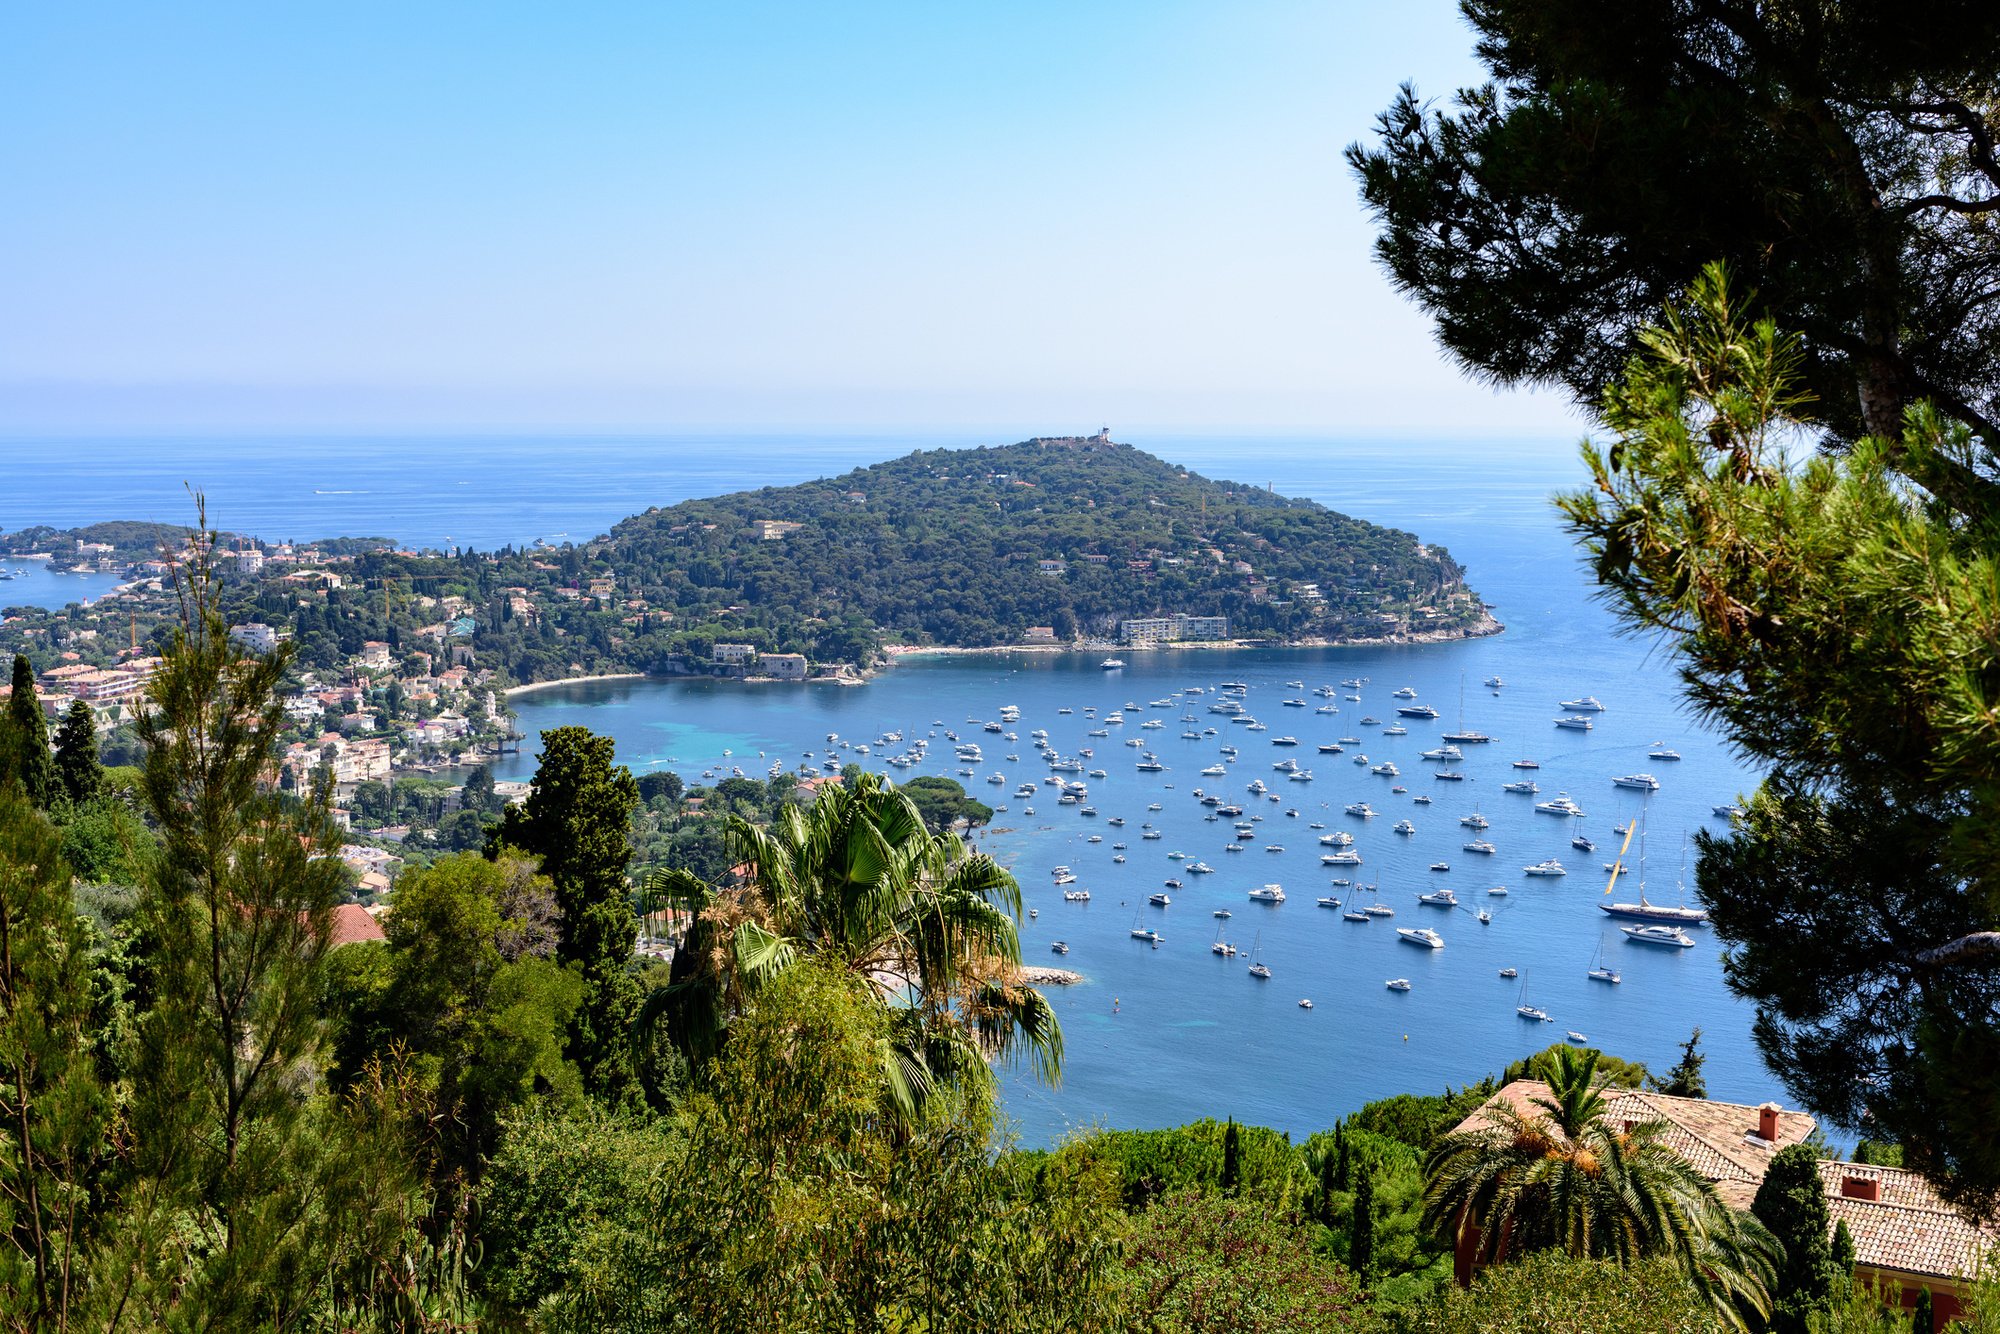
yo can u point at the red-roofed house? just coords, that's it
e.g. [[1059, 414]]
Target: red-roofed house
[[351, 925], [1905, 1237]]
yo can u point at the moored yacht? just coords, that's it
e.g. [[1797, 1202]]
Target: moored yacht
[[1420, 935], [1642, 782], [1560, 804], [1670, 936], [1588, 704], [1575, 722], [1550, 867]]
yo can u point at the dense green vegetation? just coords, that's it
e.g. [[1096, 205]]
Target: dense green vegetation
[[976, 522]]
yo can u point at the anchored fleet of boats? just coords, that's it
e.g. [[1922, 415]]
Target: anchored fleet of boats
[[1659, 925]]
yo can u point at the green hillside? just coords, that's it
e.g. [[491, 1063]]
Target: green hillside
[[946, 546]]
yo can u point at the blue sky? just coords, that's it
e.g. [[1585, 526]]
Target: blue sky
[[325, 216]]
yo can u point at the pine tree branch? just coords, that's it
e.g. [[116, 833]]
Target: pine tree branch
[[1977, 945]]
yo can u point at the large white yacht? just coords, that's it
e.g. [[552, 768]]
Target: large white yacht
[[1420, 935], [1671, 936], [1588, 704]]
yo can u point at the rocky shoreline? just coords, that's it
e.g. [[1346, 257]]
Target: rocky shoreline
[[1037, 976]]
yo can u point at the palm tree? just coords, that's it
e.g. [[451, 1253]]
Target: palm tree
[[1567, 1178], [856, 878]]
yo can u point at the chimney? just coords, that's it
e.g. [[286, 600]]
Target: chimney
[[1860, 1188], [1767, 1122]]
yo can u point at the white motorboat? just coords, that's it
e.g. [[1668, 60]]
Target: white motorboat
[[1420, 935]]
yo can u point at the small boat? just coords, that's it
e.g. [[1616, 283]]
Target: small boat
[[1481, 846], [1525, 786], [1076, 896], [1550, 867], [1353, 916], [1417, 711], [1258, 968], [1533, 1012], [1576, 1037], [1420, 935], [1403, 827], [1222, 912], [1561, 804], [1398, 984], [1305, 1005], [1662, 751], [1498, 892], [1439, 898], [1440, 866], [1420, 800], [1510, 972], [1059, 948], [1641, 782], [1575, 722], [1379, 910], [1159, 900], [1730, 812], [1406, 692], [1328, 901], [1362, 809], [1671, 936], [1495, 682], [1111, 664], [1272, 893], [1485, 917], [1603, 974], [1588, 704]]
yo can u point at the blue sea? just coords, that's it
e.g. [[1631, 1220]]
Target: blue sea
[[1154, 1036]]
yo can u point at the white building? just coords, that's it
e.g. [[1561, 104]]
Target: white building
[[1176, 629], [255, 636], [734, 653]]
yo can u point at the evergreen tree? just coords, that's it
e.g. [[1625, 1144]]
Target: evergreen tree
[[1791, 1202], [28, 737], [1342, 1172], [57, 1114], [1328, 1170], [1921, 1319], [1361, 1225], [234, 916], [77, 769], [1684, 1079], [1843, 1256], [1231, 1157], [576, 821]]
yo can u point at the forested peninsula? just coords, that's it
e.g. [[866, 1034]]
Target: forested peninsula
[[1053, 541]]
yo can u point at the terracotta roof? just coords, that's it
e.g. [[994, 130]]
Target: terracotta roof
[[1719, 1138], [351, 925], [1908, 1229]]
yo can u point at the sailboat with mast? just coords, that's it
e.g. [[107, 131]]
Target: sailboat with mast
[[1465, 736], [1533, 1013], [1258, 968], [1643, 910]]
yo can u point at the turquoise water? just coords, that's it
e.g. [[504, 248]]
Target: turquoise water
[[1191, 1034]]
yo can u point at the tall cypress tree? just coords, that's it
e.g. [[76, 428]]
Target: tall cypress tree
[[1328, 1169], [576, 820], [78, 771], [1343, 1168], [1792, 1203], [28, 738], [1231, 1167], [1361, 1227]]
